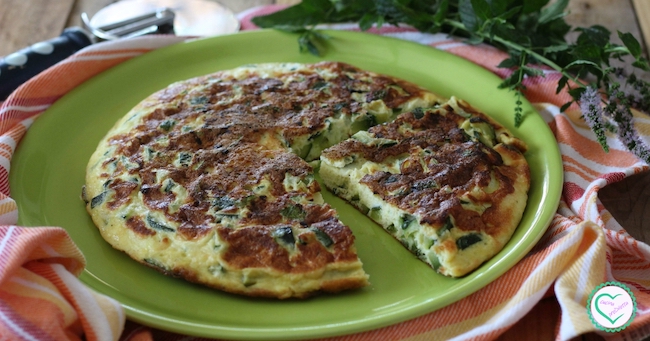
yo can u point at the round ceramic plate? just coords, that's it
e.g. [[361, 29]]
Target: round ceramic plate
[[48, 172]]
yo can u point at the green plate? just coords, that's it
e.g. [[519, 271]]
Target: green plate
[[48, 172]]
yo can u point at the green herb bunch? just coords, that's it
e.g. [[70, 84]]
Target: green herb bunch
[[532, 32]]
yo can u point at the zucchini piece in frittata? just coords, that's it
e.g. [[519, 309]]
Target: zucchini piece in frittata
[[206, 179], [448, 182]]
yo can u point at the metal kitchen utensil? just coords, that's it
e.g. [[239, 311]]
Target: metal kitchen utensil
[[119, 20], [20, 66], [159, 20], [193, 17]]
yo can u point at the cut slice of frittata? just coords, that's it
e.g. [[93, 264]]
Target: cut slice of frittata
[[448, 182]]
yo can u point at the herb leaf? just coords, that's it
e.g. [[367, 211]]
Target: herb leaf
[[532, 32]]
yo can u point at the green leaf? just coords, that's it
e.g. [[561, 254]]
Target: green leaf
[[513, 81], [510, 81], [586, 53], [554, 11], [576, 93], [481, 9], [467, 15], [641, 63], [581, 62], [556, 48], [565, 106], [532, 32], [561, 84], [508, 63], [594, 35], [533, 72], [319, 35], [509, 12], [554, 31], [291, 28], [305, 13], [531, 6], [339, 5], [312, 41], [441, 11], [631, 43], [474, 40], [368, 20]]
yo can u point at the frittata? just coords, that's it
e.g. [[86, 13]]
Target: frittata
[[208, 179], [448, 182]]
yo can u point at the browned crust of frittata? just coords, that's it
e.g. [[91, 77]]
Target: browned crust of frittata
[[460, 164], [265, 105], [254, 247], [233, 130], [455, 165]]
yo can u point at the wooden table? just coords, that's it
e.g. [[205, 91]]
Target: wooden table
[[24, 22]]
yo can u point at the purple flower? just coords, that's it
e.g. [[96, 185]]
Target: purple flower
[[628, 135], [592, 111]]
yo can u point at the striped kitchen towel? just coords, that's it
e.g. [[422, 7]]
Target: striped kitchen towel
[[583, 247], [41, 297]]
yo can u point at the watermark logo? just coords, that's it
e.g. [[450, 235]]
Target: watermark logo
[[611, 306]]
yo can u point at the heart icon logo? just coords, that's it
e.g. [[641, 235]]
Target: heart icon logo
[[611, 306], [600, 304]]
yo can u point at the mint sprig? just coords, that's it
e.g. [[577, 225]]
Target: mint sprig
[[532, 32]]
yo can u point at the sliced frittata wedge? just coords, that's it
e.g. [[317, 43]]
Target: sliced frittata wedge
[[448, 182]]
